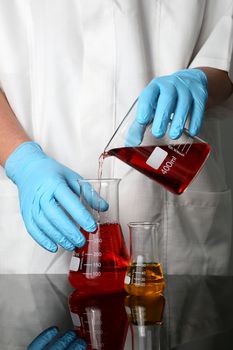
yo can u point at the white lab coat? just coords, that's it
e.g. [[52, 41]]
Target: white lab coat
[[70, 70]]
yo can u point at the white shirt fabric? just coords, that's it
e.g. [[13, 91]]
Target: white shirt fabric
[[70, 71]]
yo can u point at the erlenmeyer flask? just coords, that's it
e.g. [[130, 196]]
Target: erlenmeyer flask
[[144, 275], [100, 266], [100, 320], [145, 310], [172, 163], [145, 315]]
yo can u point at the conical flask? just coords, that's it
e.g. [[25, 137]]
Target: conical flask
[[145, 315], [100, 266], [100, 320], [144, 275], [172, 163]]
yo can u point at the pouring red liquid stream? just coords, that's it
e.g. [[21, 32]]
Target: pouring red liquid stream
[[175, 177]]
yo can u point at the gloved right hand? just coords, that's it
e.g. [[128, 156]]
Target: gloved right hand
[[48, 191], [181, 94], [68, 341]]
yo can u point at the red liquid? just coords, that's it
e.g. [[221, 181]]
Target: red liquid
[[103, 261], [100, 320], [179, 172]]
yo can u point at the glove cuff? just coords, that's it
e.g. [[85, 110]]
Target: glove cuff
[[194, 72], [21, 158]]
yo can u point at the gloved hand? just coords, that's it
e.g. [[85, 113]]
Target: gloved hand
[[48, 191], [68, 341], [182, 93]]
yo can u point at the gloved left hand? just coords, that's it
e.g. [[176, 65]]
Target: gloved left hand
[[49, 198], [182, 93], [68, 341]]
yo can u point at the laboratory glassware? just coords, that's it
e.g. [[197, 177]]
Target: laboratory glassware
[[145, 315], [100, 265], [145, 309], [172, 163], [101, 320], [144, 274]]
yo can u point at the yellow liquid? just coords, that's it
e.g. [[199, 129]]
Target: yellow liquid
[[144, 279], [143, 310]]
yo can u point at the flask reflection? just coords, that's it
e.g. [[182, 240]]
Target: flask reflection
[[145, 315]]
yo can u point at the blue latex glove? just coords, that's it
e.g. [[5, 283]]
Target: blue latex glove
[[182, 93], [48, 193], [47, 340]]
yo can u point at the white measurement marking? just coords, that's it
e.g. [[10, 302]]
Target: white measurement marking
[[188, 148]]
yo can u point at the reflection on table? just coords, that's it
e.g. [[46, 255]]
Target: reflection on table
[[198, 314], [102, 320]]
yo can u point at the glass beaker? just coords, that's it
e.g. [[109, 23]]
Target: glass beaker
[[172, 163], [100, 265], [100, 320], [144, 274]]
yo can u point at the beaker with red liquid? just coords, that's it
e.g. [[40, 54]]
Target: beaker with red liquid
[[172, 163], [100, 265], [101, 320]]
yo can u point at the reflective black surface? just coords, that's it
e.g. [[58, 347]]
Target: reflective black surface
[[196, 312]]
